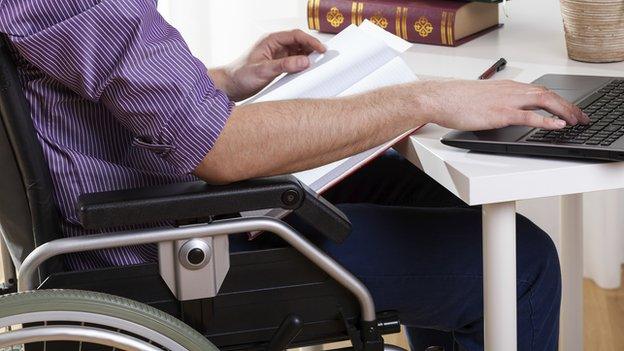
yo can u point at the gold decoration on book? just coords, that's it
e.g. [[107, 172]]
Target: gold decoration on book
[[423, 27], [311, 14], [379, 20], [450, 21], [360, 13], [357, 9], [397, 23], [317, 14], [443, 28], [404, 23], [334, 17]]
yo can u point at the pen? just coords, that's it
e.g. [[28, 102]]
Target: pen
[[497, 67]]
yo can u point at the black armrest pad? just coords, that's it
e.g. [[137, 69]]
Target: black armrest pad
[[323, 217], [187, 201], [184, 201]]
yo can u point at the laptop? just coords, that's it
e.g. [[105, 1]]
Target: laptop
[[602, 98]]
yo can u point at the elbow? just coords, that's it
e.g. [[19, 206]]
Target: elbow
[[219, 174]]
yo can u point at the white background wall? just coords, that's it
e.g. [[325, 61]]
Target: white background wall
[[218, 31]]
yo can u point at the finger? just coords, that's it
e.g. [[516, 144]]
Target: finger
[[552, 102], [290, 64], [298, 37], [533, 119]]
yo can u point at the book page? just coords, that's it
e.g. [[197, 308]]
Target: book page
[[394, 72], [351, 55], [320, 179]]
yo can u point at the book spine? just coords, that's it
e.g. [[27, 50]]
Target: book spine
[[411, 21]]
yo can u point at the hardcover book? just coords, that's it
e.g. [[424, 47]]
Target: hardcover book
[[439, 22]]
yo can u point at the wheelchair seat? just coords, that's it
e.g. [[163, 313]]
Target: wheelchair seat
[[270, 299]]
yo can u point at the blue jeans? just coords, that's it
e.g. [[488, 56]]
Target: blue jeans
[[418, 249]]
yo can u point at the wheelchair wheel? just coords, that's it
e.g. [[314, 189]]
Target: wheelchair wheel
[[79, 320]]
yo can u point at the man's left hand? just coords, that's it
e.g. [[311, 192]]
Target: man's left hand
[[277, 53]]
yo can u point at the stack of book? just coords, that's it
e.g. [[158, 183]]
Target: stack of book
[[439, 22]]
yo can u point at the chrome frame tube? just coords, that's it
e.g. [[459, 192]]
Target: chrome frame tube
[[6, 263], [386, 348], [393, 348], [74, 333], [53, 248]]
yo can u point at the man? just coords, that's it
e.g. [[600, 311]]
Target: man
[[118, 101]]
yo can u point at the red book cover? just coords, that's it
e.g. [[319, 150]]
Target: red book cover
[[418, 21]]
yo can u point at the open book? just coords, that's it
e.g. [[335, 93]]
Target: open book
[[358, 59]]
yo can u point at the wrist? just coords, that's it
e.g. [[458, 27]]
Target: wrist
[[426, 94], [414, 103], [222, 78]]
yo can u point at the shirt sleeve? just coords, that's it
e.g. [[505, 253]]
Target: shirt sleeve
[[123, 54]]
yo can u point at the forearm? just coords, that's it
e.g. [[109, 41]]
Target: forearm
[[272, 138]]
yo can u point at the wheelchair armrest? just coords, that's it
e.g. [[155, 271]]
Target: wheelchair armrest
[[194, 200]]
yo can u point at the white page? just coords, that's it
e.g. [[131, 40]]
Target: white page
[[351, 55], [392, 41], [394, 72]]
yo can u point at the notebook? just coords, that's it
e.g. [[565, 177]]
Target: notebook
[[358, 59]]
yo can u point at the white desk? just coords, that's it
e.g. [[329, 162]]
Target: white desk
[[533, 43]]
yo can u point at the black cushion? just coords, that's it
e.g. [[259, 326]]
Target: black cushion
[[28, 214]]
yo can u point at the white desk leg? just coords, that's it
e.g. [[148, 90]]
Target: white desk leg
[[499, 277], [571, 254]]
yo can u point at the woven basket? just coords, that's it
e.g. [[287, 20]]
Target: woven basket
[[594, 29]]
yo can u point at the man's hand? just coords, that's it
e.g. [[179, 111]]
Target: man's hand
[[481, 105], [282, 52]]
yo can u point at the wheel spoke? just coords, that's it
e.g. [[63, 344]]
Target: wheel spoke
[[114, 348], [45, 343], [82, 324]]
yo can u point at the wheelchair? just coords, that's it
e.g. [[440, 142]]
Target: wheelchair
[[199, 295]]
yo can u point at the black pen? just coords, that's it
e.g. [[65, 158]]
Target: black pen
[[497, 67]]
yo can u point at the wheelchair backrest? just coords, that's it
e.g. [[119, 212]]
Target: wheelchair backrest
[[28, 214]]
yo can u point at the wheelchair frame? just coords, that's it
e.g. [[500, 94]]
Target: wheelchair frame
[[27, 278]]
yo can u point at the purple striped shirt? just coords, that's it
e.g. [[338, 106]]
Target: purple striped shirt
[[117, 101]]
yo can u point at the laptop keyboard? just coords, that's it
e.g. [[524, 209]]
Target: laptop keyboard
[[606, 113]]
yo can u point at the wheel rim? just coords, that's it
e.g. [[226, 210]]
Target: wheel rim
[[92, 319], [74, 333]]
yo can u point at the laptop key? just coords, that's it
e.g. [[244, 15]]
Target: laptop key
[[611, 128]]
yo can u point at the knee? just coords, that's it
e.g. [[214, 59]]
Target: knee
[[537, 255]]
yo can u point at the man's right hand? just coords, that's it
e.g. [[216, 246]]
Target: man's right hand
[[482, 105]]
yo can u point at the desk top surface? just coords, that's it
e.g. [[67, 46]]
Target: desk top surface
[[533, 42]]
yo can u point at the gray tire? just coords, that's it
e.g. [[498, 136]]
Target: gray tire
[[63, 305]]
